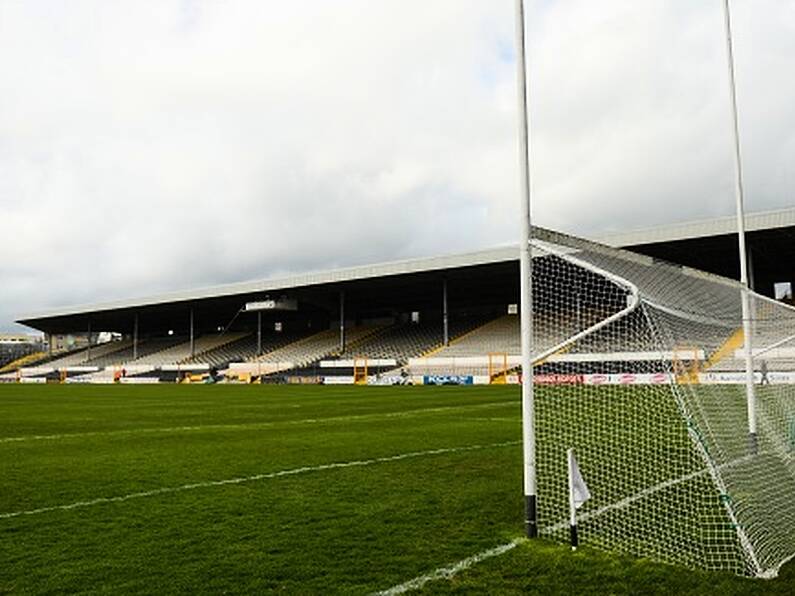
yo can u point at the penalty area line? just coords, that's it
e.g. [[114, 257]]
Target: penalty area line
[[255, 478]]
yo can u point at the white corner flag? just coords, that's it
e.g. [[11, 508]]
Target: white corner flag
[[578, 494]]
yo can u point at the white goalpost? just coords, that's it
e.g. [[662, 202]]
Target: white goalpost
[[738, 193], [526, 296], [647, 369]]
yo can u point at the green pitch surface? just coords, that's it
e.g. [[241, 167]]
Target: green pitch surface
[[242, 489]]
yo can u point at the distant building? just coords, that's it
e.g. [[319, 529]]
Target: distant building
[[20, 338]]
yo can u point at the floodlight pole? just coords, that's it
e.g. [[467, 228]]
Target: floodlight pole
[[526, 297], [738, 188]]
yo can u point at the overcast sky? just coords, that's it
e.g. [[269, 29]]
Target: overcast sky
[[148, 146]]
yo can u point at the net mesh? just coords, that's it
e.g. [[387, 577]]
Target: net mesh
[[640, 366]]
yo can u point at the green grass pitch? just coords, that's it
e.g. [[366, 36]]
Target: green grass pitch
[[230, 489]]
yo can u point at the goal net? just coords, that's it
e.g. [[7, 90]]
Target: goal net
[[639, 365]]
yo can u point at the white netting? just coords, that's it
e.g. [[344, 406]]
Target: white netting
[[640, 367]]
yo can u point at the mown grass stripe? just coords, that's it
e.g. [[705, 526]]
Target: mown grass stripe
[[255, 478], [254, 425]]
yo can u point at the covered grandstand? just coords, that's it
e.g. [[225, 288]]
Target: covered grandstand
[[439, 316]]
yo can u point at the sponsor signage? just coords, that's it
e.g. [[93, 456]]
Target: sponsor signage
[[627, 379], [338, 380], [447, 380], [139, 380], [558, 379], [738, 378], [269, 304]]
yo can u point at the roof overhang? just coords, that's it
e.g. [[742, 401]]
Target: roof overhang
[[719, 226]]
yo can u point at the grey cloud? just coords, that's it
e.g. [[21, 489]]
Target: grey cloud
[[154, 146]]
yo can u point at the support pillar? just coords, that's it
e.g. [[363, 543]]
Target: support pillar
[[445, 315], [49, 344], [135, 338], [88, 350], [342, 321], [259, 332], [192, 342]]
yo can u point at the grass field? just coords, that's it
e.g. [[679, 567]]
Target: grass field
[[296, 489]]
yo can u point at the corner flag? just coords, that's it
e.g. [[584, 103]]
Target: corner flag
[[578, 494]]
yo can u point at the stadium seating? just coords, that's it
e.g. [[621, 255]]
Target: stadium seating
[[14, 360], [245, 347], [317, 346], [500, 335], [123, 352], [98, 352], [408, 340], [181, 352]]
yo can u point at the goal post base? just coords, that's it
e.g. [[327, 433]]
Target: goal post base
[[531, 516], [753, 444]]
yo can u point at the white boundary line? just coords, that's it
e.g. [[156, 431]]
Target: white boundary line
[[255, 478], [254, 425], [449, 572], [464, 564]]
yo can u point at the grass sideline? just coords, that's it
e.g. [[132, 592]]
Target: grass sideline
[[354, 529]]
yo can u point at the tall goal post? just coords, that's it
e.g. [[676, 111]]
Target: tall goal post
[[739, 199], [525, 284]]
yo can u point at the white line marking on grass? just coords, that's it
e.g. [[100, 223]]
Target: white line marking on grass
[[255, 478], [252, 425], [449, 572], [463, 564], [494, 418]]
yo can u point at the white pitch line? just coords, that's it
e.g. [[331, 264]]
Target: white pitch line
[[448, 572], [495, 418], [255, 478], [251, 426]]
